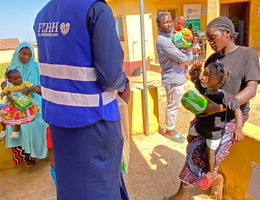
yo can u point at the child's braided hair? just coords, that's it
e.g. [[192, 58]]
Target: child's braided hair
[[222, 70]]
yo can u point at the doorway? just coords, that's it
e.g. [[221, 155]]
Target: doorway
[[239, 14]]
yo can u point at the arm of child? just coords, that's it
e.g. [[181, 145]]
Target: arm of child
[[188, 38], [2, 95], [239, 136], [195, 71], [28, 90], [10, 99]]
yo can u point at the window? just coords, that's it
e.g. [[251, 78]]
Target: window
[[119, 28]]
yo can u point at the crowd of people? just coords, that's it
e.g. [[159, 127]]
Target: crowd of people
[[70, 96]]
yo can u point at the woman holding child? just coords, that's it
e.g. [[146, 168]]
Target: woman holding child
[[32, 141], [245, 76]]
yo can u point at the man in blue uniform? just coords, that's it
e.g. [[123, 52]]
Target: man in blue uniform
[[81, 69]]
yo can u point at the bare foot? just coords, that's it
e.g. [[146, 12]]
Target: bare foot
[[182, 194], [170, 133], [217, 187]]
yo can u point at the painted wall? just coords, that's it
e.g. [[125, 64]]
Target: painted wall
[[129, 10], [134, 37], [119, 10], [136, 111], [237, 166], [6, 56], [254, 21], [6, 156], [254, 26]]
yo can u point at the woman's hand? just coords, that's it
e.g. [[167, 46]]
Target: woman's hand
[[248, 92], [212, 108], [125, 95]]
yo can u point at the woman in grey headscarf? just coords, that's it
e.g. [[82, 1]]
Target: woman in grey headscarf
[[245, 75]]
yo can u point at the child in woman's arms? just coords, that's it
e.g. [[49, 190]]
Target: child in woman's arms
[[11, 113], [212, 127]]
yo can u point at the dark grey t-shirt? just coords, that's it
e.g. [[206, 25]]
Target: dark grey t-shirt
[[244, 66]]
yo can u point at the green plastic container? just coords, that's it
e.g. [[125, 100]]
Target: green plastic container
[[21, 101], [179, 41], [194, 101]]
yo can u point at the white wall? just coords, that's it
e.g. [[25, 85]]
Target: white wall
[[134, 37]]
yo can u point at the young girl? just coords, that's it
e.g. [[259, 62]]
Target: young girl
[[10, 114], [212, 127], [195, 49]]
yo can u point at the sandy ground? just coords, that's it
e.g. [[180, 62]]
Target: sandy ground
[[154, 165]]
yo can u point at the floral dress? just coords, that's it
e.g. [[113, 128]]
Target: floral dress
[[11, 114]]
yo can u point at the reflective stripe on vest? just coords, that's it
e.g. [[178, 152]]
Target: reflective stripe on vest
[[69, 98], [76, 99], [68, 72]]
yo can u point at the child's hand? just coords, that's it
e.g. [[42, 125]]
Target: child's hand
[[10, 100], [2, 95], [26, 91], [50, 155], [195, 50], [189, 39], [184, 50], [239, 136], [198, 65], [182, 64], [196, 70]]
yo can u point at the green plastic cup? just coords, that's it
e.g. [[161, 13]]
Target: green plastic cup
[[194, 101]]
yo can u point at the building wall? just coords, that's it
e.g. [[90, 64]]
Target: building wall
[[6, 56], [136, 112], [129, 10], [119, 9], [254, 25], [132, 31], [237, 167], [254, 21]]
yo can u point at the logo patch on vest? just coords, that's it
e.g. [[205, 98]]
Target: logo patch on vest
[[64, 28], [51, 29]]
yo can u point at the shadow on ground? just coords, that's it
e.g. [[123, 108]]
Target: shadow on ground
[[154, 166]]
